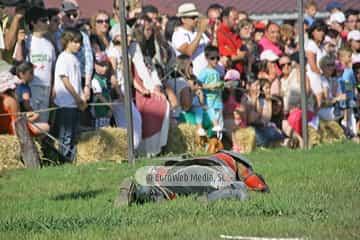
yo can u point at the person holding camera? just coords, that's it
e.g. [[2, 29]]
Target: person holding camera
[[189, 40]]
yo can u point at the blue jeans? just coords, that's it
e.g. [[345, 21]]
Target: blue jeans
[[266, 135], [66, 124]]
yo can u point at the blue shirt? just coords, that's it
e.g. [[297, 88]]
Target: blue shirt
[[20, 90], [347, 83], [213, 98]]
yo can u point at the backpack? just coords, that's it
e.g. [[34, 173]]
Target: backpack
[[238, 175]]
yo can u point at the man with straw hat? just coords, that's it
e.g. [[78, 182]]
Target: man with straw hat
[[189, 38]]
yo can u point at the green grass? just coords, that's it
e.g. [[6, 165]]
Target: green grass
[[314, 194]]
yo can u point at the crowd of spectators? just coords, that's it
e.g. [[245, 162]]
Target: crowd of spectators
[[220, 71]]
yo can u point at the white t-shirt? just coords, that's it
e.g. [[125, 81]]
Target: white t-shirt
[[315, 81], [67, 65], [312, 47], [113, 52], [42, 55], [181, 36], [151, 79]]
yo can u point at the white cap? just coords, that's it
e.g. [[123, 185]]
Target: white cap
[[353, 35], [115, 31], [269, 56], [338, 17]]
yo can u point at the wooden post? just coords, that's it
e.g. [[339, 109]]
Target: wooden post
[[29, 153], [127, 84], [302, 73]]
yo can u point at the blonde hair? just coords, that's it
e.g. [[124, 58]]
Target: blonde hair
[[93, 20], [287, 31], [310, 4], [343, 51]]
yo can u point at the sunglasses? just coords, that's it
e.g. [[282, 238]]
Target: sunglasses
[[214, 58], [192, 17], [102, 21], [285, 64], [72, 14]]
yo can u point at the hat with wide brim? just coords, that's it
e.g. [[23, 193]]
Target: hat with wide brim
[[35, 13], [187, 10]]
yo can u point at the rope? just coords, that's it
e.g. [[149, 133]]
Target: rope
[[56, 108]]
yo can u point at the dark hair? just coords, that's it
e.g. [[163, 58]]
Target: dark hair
[[350, 12], [69, 35], [317, 25], [209, 50], [238, 94], [147, 45], [332, 33], [23, 67], [149, 9], [356, 69], [172, 23], [226, 12], [269, 25], [215, 6]]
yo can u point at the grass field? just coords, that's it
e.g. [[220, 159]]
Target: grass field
[[314, 195]]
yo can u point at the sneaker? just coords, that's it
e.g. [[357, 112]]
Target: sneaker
[[201, 132]]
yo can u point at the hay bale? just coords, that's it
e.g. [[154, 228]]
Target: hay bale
[[313, 137], [10, 157], [102, 144], [330, 131], [245, 139], [183, 139]]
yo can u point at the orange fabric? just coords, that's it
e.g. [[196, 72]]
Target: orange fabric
[[6, 122], [227, 159]]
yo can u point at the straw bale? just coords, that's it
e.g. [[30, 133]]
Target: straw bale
[[314, 137], [102, 144], [245, 138], [330, 131], [10, 157], [183, 139]]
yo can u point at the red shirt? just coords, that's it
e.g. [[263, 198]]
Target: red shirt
[[229, 43]]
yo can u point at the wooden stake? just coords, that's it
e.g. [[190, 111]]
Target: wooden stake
[[29, 153]]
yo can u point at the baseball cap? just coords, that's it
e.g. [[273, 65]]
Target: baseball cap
[[338, 17], [333, 5], [269, 56], [232, 75]]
